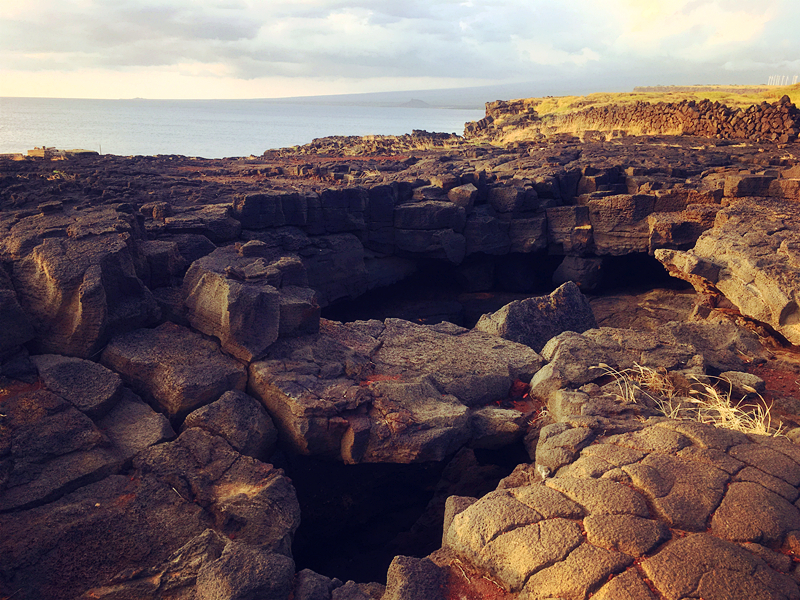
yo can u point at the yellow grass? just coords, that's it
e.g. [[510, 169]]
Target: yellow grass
[[706, 403]]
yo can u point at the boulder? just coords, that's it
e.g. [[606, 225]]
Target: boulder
[[240, 420], [535, 321], [80, 286], [174, 368], [237, 296]]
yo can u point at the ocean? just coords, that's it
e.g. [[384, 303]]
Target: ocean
[[204, 128]]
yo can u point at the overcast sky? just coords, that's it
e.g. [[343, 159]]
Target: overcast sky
[[266, 49]]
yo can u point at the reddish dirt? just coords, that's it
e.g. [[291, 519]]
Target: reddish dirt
[[464, 583], [15, 388], [782, 378]]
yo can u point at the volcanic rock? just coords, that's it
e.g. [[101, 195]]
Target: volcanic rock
[[172, 367], [240, 420], [386, 392], [535, 321], [750, 257], [134, 534]]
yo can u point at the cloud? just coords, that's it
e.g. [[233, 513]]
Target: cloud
[[379, 40]]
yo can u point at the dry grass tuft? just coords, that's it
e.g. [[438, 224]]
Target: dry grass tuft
[[705, 403]]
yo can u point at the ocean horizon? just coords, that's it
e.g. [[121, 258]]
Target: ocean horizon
[[204, 128]]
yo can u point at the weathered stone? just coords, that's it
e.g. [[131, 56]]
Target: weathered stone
[[625, 586], [513, 199], [309, 585], [414, 579], [236, 299], [463, 195], [583, 569], [569, 229], [438, 243], [601, 496], [240, 420], [770, 461], [212, 221], [559, 445], [110, 533], [528, 234], [51, 449], [177, 575], [625, 533], [132, 426], [750, 246], [244, 572], [15, 327], [173, 367], [619, 223], [683, 493], [741, 186], [164, 262], [514, 556], [89, 387], [486, 234], [586, 273], [751, 513], [535, 321], [81, 291], [430, 215], [493, 427], [704, 565]]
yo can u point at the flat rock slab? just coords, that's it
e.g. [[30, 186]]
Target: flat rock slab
[[639, 518], [90, 387], [174, 368], [390, 392]]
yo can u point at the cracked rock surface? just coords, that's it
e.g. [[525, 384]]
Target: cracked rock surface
[[674, 509]]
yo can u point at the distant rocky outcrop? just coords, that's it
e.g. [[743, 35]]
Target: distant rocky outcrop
[[778, 122]]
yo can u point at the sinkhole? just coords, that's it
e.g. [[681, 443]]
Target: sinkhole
[[357, 518]]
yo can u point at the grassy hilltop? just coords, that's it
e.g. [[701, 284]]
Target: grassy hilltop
[[730, 95]]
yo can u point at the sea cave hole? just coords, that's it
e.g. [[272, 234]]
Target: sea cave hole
[[439, 291], [356, 518]]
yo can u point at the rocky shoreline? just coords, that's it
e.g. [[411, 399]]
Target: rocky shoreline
[[172, 390]]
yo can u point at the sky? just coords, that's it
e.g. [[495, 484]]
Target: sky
[[267, 49]]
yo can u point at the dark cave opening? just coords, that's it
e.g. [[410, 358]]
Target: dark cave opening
[[438, 291], [357, 518]]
